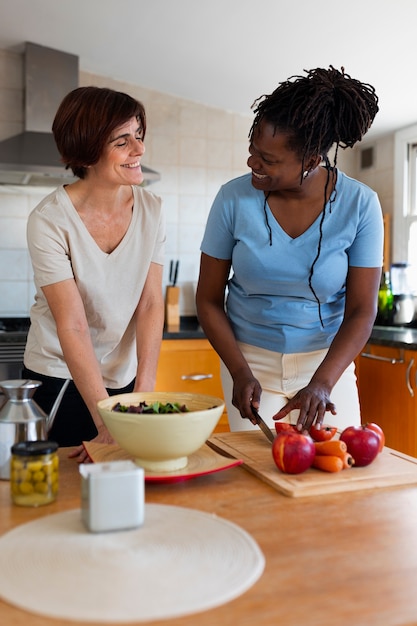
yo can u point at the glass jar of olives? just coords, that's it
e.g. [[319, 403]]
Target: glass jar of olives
[[34, 472]]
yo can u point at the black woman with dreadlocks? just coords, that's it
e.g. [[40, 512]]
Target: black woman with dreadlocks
[[297, 246]]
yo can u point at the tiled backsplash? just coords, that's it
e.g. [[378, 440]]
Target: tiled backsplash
[[16, 285], [194, 147]]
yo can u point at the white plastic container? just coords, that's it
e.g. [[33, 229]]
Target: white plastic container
[[402, 279], [112, 496]]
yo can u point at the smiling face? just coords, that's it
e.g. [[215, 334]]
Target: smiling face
[[275, 166], [120, 160]]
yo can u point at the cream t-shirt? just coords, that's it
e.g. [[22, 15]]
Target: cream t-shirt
[[110, 284]]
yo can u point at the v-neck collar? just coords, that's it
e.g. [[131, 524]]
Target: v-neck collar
[[76, 216]]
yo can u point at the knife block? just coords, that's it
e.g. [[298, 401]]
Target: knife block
[[172, 309]]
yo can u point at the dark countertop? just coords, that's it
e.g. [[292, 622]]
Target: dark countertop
[[394, 336], [14, 330], [14, 338], [189, 329]]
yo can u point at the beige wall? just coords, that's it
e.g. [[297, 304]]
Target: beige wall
[[380, 177]]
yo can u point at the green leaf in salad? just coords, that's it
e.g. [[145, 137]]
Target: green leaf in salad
[[154, 408]]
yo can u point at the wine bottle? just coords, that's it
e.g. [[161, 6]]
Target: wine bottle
[[385, 300]]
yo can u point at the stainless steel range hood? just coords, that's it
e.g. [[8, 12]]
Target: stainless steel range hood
[[32, 158]]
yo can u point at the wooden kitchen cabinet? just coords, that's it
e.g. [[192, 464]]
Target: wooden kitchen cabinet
[[387, 393], [193, 366]]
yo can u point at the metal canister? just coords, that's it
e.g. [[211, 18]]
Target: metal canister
[[34, 472]]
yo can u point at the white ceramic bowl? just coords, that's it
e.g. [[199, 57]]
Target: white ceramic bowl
[[162, 442]]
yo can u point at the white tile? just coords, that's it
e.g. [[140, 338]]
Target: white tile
[[165, 149], [239, 172], [12, 232], [142, 94], [170, 206], [15, 265], [190, 240], [209, 202], [171, 246], [241, 127], [219, 153], [13, 204], [193, 151], [36, 195], [169, 182], [14, 296], [189, 267], [192, 119], [163, 113], [192, 209], [219, 124], [215, 179], [192, 180], [240, 155]]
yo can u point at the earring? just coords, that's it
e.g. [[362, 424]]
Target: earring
[[305, 174]]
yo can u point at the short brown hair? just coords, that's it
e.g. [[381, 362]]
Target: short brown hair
[[85, 120]]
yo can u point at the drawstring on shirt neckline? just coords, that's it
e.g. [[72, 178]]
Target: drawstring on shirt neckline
[[266, 219], [330, 201]]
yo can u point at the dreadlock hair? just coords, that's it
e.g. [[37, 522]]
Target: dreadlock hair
[[325, 108]]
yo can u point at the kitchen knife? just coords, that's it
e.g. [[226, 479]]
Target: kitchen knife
[[263, 425], [173, 272], [174, 280]]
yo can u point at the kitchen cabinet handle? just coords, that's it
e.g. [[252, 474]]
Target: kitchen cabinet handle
[[196, 376], [376, 357], [407, 378], [394, 361]]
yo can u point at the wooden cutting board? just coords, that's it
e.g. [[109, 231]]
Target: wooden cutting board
[[390, 468]]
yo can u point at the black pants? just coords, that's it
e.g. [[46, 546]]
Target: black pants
[[73, 423]]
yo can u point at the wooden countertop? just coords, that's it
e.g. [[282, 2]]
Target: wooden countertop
[[331, 560]]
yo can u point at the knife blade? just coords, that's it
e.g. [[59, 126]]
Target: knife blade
[[263, 425]]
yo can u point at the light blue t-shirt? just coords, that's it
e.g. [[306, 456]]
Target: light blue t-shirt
[[269, 301]]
